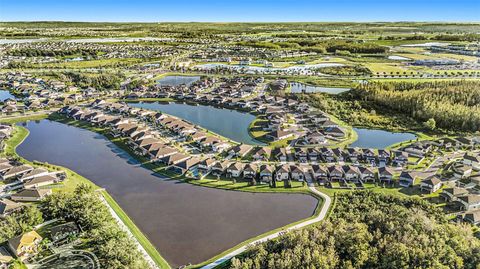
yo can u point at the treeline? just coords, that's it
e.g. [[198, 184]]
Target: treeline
[[29, 52], [322, 46], [103, 81], [454, 105], [349, 70], [371, 230], [101, 234], [471, 37]]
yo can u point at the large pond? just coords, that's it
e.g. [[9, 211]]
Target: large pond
[[379, 139], [296, 87], [4, 95], [229, 123], [177, 80], [186, 223]]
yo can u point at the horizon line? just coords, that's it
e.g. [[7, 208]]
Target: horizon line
[[400, 21]]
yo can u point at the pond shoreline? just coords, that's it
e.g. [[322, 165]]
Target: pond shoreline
[[318, 203]]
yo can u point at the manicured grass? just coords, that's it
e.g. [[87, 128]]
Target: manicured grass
[[141, 238], [22, 118], [394, 190], [297, 187]]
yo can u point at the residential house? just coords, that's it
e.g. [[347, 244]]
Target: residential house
[[7, 207], [297, 173], [473, 217], [367, 174], [452, 194], [282, 172], [407, 179], [219, 168], [25, 245], [469, 202], [431, 184], [206, 165], [266, 173], [30, 195], [250, 171], [235, 170], [385, 174], [185, 166]]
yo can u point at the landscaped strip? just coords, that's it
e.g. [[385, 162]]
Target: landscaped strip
[[141, 238]]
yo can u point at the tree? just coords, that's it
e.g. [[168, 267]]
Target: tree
[[430, 124]]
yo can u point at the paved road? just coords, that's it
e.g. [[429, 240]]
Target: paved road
[[323, 213]]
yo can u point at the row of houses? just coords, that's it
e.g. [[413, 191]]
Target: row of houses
[[311, 125]]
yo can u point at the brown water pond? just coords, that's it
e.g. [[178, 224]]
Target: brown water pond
[[186, 223]]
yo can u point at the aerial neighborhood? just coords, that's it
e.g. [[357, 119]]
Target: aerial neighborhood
[[239, 145]]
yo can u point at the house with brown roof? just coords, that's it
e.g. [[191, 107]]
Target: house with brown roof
[[161, 152], [280, 134], [219, 168], [187, 165], [240, 150], [206, 165], [262, 154], [7, 207], [469, 202], [473, 217], [282, 172], [40, 181], [235, 169], [431, 184], [298, 172], [385, 174], [367, 174], [266, 173], [174, 159], [16, 171], [250, 171], [30, 195], [452, 194], [407, 179], [320, 172], [335, 173]]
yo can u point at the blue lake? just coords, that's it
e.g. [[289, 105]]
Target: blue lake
[[304, 88], [229, 123], [379, 139]]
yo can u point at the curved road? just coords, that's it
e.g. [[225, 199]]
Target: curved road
[[323, 213]]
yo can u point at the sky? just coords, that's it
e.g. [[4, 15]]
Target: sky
[[240, 10]]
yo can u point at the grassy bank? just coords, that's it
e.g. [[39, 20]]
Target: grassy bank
[[141, 238]]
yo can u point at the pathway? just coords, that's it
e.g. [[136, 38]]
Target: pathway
[[124, 227], [323, 213]]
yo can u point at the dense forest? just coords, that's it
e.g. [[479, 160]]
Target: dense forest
[[52, 53], [320, 46], [102, 81], [371, 230], [101, 234], [454, 105]]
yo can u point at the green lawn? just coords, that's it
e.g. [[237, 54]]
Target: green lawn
[[142, 239]]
